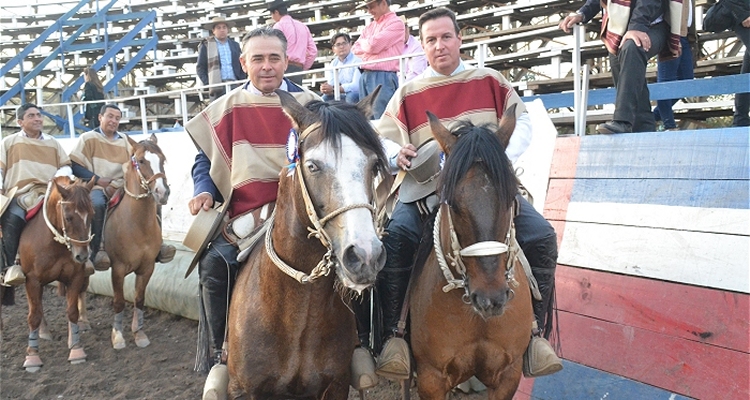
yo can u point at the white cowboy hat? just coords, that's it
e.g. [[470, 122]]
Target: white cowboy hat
[[201, 232], [218, 20], [421, 178]]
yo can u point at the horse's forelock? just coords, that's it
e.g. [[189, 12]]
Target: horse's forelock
[[152, 147], [478, 145]]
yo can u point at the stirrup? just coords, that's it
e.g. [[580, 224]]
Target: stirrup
[[363, 370], [166, 253], [217, 383], [101, 261], [14, 276], [540, 358], [394, 361]]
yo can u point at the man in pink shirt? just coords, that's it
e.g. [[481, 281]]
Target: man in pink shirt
[[382, 38], [301, 50]]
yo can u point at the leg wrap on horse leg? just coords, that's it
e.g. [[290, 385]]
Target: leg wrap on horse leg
[[74, 336], [137, 324], [34, 339], [393, 280], [117, 325]]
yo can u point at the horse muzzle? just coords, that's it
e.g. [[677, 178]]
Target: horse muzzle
[[490, 304], [360, 265]]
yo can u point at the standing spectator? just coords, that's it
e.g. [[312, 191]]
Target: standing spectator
[[382, 38], [633, 31], [741, 11], [238, 164], [414, 65], [679, 68], [219, 57], [301, 48], [92, 90], [348, 77]]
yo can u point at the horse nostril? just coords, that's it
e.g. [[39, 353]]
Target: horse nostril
[[353, 257]]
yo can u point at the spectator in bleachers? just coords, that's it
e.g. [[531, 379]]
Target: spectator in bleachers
[[741, 11], [92, 90], [301, 48], [381, 38], [679, 68], [633, 32], [219, 57], [414, 65], [218, 180], [348, 77]]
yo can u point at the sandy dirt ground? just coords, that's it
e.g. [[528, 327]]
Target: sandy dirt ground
[[163, 370]]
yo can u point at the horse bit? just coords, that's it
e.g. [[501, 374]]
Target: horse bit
[[329, 260], [479, 249], [145, 183], [64, 238]]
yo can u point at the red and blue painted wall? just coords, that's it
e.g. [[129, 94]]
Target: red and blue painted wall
[[653, 275]]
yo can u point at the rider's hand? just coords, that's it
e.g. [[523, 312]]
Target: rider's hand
[[104, 182], [746, 24], [405, 155], [641, 39], [569, 22], [203, 200]]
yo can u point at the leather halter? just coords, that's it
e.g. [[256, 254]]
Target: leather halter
[[479, 249], [144, 183], [329, 260], [61, 238]]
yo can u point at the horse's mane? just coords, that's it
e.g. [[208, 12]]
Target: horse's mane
[[345, 118], [149, 145], [478, 145]]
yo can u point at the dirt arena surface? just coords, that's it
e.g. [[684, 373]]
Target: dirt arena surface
[[163, 370]]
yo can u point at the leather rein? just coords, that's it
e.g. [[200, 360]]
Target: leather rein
[[61, 238]]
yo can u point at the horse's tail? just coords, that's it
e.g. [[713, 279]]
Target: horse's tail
[[203, 360]]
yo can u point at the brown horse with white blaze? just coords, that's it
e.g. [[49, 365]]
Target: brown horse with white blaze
[[291, 334], [482, 328], [54, 246]]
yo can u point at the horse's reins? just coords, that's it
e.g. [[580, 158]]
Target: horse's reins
[[145, 183], [64, 238], [329, 260]]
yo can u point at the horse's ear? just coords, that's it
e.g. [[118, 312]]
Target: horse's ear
[[91, 183], [365, 105], [153, 138], [300, 116], [507, 125], [444, 137], [64, 192], [132, 142]]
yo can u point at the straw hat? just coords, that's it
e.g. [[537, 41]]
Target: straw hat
[[421, 178], [201, 232], [6, 198], [217, 20]]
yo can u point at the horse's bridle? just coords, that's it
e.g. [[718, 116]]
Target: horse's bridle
[[64, 238], [479, 249], [329, 260], [145, 183]]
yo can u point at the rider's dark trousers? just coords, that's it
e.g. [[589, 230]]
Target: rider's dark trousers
[[217, 273], [99, 201], [13, 221]]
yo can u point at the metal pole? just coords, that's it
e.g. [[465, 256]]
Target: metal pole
[[336, 93], [71, 126], [183, 101], [577, 35], [584, 97], [144, 122]]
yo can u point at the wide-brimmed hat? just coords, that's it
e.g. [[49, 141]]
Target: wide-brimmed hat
[[364, 3], [217, 20], [6, 199], [201, 232], [421, 178]]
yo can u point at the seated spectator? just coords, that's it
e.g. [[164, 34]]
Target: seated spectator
[[348, 77], [301, 48]]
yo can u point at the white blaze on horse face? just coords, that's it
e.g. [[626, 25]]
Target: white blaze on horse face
[[161, 193], [354, 239]]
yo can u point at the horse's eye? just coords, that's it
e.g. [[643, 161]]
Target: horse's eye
[[312, 167]]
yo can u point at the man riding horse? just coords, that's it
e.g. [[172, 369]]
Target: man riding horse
[[241, 139], [100, 154], [479, 95], [28, 160]]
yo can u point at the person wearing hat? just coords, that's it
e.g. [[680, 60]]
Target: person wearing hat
[[480, 95], [219, 57], [381, 38], [28, 160], [348, 78], [237, 168], [301, 48], [100, 154]]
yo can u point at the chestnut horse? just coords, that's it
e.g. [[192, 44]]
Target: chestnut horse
[[132, 234], [53, 246], [482, 328], [291, 333]]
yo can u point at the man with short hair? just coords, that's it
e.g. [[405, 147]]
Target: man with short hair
[[28, 160], [301, 48], [100, 154], [219, 57], [381, 38], [348, 78], [453, 91], [238, 164]]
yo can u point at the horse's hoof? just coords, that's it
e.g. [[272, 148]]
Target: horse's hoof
[[141, 340], [84, 325], [77, 356], [33, 363], [118, 341], [216, 383]]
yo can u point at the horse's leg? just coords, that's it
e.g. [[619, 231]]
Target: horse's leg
[[44, 332], [33, 361], [77, 355], [431, 384], [83, 315], [141, 340], [118, 304], [508, 383]]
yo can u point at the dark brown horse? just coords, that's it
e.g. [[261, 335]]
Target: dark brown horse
[[132, 234], [291, 334], [482, 327], [53, 247]]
